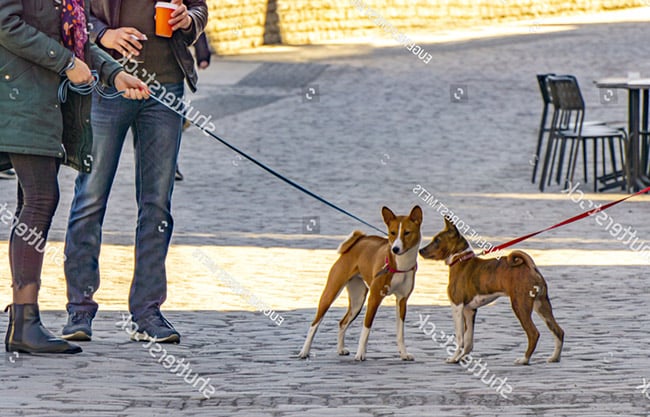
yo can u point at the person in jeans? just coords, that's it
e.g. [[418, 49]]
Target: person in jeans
[[126, 29], [40, 42]]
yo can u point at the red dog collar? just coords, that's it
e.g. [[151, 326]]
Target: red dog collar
[[468, 255], [393, 270]]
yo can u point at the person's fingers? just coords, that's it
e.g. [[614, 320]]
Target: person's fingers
[[134, 42], [135, 94], [180, 18], [180, 10], [183, 22], [126, 43], [144, 87], [135, 32]]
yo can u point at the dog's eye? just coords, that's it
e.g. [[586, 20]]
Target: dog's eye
[[393, 233], [436, 240], [406, 233]]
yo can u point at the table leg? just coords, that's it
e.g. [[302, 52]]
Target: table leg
[[633, 132], [644, 129]]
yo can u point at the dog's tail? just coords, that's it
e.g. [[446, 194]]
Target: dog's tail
[[519, 258], [350, 241]]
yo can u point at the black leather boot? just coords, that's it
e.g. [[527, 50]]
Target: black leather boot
[[27, 334]]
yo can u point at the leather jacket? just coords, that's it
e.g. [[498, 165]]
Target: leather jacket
[[105, 14]]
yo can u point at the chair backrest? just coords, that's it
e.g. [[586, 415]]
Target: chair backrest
[[565, 92], [567, 98], [544, 88]]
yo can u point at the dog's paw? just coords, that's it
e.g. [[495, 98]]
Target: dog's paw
[[553, 359], [303, 355], [344, 352], [452, 359], [360, 357], [522, 361], [406, 357]]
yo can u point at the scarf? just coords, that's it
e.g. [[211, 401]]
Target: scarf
[[73, 26]]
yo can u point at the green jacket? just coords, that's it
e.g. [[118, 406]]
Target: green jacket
[[32, 121]]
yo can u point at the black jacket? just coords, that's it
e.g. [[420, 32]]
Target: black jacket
[[105, 14]]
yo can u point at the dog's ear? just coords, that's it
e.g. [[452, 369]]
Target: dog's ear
[[387, 214], [416, 214], [449, 225]]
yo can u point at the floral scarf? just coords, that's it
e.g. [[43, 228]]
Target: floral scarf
[[73, 26]]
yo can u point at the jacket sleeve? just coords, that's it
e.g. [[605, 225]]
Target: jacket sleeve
[[202, 49], [106, 66], [198, 11], [27, 42], [97, 27]]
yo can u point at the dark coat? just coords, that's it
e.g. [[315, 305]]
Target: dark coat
[[105, 14], [32, 121]]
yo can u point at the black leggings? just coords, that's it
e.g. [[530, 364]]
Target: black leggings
[[38, 197]]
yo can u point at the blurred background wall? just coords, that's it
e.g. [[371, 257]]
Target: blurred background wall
[[237, 25]]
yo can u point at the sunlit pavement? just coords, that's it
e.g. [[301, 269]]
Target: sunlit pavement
[[250, 255]]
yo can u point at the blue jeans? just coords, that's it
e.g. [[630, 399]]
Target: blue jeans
[[156, 140]]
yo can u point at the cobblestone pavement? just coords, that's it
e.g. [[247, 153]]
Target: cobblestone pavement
[[363, 126]]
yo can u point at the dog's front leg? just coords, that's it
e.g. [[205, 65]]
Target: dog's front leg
[[469, 317], [400, 308], [374, 300], [459, 326]]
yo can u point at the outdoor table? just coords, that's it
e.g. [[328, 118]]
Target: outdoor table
[[636, 124]]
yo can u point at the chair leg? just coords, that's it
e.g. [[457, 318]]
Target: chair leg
[[612, 154], [547, 157], [573, 159], [584, 159], [540, 140], [560, 160], [556, 145], [626, 163]]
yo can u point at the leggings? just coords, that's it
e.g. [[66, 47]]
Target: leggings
[[36, 202]]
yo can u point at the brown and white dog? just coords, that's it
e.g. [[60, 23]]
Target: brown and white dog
[[375, 265], [475, 282]]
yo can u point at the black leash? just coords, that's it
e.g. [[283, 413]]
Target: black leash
[[95, 86]]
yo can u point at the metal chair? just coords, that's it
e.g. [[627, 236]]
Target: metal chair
[[568, 127], [545, 129]]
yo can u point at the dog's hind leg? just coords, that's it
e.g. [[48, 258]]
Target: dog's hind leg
[[523, 309], [357, 292], [459, 327], [333, 288], [543, 308], [400, 309]]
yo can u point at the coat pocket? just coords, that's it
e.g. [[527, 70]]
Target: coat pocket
[[13, 78]]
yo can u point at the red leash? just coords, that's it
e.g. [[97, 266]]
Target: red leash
[[565, 222]]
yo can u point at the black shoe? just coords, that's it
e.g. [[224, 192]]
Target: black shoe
[[27, 334], [155, 327], [178, 176], [8, 174], [79, 326]]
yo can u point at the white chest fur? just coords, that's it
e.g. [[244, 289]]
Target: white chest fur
[[401, 284]]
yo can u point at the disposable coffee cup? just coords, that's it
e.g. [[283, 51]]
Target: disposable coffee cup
[[163, 15]]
